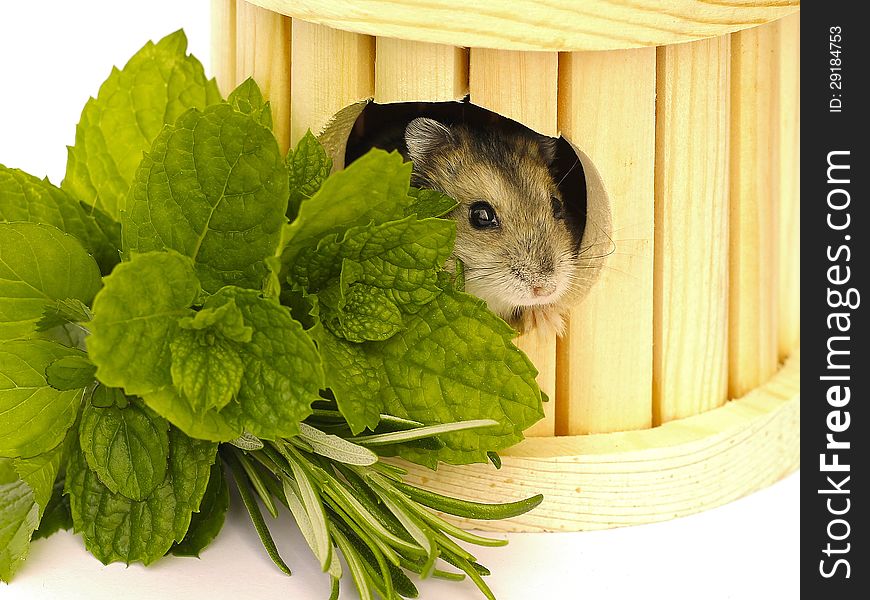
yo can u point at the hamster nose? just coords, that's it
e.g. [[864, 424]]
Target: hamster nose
[[543, 290]]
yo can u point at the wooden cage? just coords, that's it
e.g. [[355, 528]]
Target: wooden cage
[[676, 387]]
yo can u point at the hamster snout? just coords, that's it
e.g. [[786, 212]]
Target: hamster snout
[[519, 253]]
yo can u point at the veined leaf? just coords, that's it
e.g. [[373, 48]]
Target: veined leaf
[[127, 448], [135, 316], [209, 520], [153, 89], [25, 488], [19, 518], [248, 99], [23, 197], [116, 528], [439, 369], [309, 167], [70, 373], [39, 264], [372, 188], [281, 377], [36, 416], [214, 187]]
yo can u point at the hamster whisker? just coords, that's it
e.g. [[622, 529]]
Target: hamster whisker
[[568, 172]]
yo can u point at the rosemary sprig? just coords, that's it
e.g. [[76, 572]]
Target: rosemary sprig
[[345, 500]]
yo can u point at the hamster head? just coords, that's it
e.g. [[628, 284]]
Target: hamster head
[[512, 233]]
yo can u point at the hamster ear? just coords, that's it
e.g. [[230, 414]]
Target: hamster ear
[[423, 136], [547, 146]]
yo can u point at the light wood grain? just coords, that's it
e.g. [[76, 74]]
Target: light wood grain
[[519, 85], [787, 185], [416, 71], [223, 44], [607, 109], [753, 332], [263, 52], [690, 347], [331, 70], [555, 25], [617, 479], [524, 86]]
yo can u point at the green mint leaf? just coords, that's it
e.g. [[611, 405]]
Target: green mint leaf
[[116, 528], [374, 188], [403, 258], [225, 320], [281, 377], [39, 472], [367, 314], [248, 99], [23, 197], [56, 515], [19, 518], [429, 203], [213, 187], [106, 397], [38, 265], [207, 523], [70, 373], [438, 369], [127, 448], [35, 416], [154, 88], [25, 490], [135, 315], [206, 368], [310, 165], [63, 312]]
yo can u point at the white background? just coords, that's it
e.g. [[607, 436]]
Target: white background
[[53, 56]]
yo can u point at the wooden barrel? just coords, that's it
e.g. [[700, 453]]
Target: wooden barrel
[[676, 387]]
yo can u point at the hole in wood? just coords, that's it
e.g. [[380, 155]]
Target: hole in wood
[[533, 225]]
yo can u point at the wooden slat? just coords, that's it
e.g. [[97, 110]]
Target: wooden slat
[[788, 183], [554, 25], [690, 347], [607, 109], [263, 52], [519, 85], [223, 44], [753, 343], [416, 71], [331, 70], [524, 87], [617, 479]]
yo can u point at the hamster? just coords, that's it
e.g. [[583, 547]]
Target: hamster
[[520, 253]]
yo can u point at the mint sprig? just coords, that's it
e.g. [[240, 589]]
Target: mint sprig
[[269, 323]]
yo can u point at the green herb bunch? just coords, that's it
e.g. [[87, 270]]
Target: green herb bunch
[[191, 304]]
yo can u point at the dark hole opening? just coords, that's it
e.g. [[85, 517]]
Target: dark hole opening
[[383, 126]]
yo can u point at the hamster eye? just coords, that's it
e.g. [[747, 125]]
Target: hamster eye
[[482, 215], [558, 211]]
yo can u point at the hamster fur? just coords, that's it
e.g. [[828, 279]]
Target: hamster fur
[[512, 233]]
